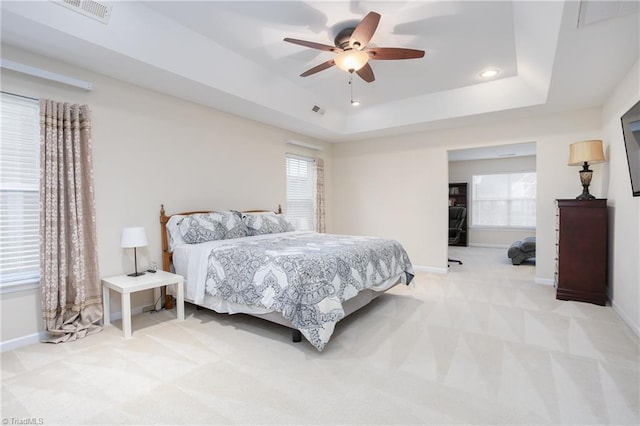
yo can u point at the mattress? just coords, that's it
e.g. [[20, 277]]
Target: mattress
[[304, 276]]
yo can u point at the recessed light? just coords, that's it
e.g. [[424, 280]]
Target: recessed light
[[489, 73]]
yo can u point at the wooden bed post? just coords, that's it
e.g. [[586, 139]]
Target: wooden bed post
[[166, 255]]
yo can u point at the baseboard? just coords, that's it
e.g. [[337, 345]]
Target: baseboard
[[19, 342], [500, 246], [545, 281], [430, 269], [634, 327], [34, 338]]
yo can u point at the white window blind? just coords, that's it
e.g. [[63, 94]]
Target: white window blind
[[19, 190], [504, 200], [301, 184]]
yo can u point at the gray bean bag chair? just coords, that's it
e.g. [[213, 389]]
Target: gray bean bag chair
[[522, 250]]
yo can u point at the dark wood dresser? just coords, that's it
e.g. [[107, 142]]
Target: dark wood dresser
[[581, 262]]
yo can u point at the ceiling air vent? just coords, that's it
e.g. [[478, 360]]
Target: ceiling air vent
[[317, 109], [91, 8]]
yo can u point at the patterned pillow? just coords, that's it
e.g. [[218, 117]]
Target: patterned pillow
[[202, 227], [267, 223], [235, 226]]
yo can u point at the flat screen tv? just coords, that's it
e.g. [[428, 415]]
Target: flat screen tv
[[631, 132]]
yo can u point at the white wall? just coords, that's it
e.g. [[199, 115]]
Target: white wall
[[463, 171], [150, 149], [624, 209], [397, 186]]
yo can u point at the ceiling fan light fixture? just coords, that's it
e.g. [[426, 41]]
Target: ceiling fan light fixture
[[355, 103], [351, 60], [351, 51]]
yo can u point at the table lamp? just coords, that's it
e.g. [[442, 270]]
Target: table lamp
[[583, 154], [134, 237]]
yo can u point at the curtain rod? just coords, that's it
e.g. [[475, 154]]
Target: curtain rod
[[47, 75], [20, 96]]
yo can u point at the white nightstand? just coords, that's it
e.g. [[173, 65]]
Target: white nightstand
[[125, 285]]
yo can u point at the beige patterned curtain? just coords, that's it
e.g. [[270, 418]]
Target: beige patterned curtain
[[69, 279], [320, 222]]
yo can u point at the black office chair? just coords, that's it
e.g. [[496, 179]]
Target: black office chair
[[457, 215]]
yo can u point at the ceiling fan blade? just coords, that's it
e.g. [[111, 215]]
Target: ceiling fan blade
[[364, 31], [366, 73], [313, 45], [391, 53], [318, 68]]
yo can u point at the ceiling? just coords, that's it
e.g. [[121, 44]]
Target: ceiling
[[230, 55]]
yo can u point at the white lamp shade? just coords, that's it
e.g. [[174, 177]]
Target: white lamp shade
[[587, 151], [133, 237], [351, 60]]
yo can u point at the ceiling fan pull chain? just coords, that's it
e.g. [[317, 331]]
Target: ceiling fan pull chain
[[353, 103]]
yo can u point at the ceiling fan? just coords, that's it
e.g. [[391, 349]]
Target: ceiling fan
[[352, 52]]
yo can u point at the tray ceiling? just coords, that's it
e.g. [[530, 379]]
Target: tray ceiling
[[230, 56]]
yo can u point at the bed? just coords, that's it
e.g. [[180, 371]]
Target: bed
[[255, 263]]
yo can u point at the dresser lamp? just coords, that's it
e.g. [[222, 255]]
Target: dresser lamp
[[583, 154], [134, 237]]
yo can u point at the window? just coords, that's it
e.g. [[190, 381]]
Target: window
[[19, 190], [301, 183], [504, 200]]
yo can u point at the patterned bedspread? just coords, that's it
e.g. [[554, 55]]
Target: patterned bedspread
[[304, 276]]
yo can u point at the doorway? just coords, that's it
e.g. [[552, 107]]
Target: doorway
[[495, 217]]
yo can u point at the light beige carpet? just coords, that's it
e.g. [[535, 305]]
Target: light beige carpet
[[483, 344]]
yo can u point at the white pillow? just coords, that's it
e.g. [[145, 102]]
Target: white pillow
[[174, 236]]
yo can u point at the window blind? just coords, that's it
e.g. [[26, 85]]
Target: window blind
[[301, 183], [504, 200], [19, 190]]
